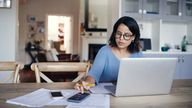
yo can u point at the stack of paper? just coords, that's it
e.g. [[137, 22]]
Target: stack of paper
[[42, 97], [37, 98]]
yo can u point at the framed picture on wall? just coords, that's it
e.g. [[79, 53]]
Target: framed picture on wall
[[5, 3]]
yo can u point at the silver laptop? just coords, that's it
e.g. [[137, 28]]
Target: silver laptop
[[144, 76]]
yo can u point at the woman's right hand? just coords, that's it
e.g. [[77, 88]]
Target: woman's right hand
[[85, 85], [82, 86]]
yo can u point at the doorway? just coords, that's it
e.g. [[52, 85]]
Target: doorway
[[59, 33]]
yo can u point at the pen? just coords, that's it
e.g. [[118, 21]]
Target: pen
[[90, 84]]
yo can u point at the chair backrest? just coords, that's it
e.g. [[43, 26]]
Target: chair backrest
[[81, 67], [12, 66]]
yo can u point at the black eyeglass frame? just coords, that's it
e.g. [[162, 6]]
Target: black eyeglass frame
[[118, 34]]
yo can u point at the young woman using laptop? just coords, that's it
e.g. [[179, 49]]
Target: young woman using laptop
[[123, 43]]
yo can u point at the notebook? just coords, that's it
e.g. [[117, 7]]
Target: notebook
[[144, 76]]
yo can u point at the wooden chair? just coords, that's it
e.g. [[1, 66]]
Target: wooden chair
[[12, 66], [81, 67]]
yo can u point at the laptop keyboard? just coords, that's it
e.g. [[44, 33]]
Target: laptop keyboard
[[111, 88]]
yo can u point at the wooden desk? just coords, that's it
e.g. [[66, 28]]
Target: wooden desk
[[180, 97]]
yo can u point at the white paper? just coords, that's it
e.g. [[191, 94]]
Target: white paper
[[100, 89], [42, 97], [37, 98], [93, 101], [66, 93]]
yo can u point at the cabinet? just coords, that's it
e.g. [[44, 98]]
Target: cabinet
[[141, 8], [177, 10], [169, 29], [172, 9], [183, 68], [187, 9], [186, 66], [169, 10]]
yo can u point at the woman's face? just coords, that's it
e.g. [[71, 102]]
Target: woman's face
[[123, 36]]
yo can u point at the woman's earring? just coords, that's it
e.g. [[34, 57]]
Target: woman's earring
[[132, 40]]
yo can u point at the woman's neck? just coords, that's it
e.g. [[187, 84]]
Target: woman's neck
[[120, 53]]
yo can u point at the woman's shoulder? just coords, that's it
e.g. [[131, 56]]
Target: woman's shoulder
[[105, 48]]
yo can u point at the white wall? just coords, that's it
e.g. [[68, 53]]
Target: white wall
[[156, 32], [9, 32], [145, 28], [163, 32], [114, 12], [189, 32], [172, 33], [8, 37]]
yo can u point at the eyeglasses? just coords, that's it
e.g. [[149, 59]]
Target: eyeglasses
[[126, 36]]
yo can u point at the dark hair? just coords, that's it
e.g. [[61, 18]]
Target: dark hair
[[133, 27]]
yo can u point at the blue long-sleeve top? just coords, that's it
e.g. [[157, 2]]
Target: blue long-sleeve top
[[105, 67]]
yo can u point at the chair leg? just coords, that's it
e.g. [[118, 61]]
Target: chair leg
[[80, 76], [37, 75], [16, 74]]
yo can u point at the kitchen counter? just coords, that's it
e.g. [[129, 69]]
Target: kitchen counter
[[183, 68], [168, 52]]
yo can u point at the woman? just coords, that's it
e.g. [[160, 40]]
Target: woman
[[123, 43]]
